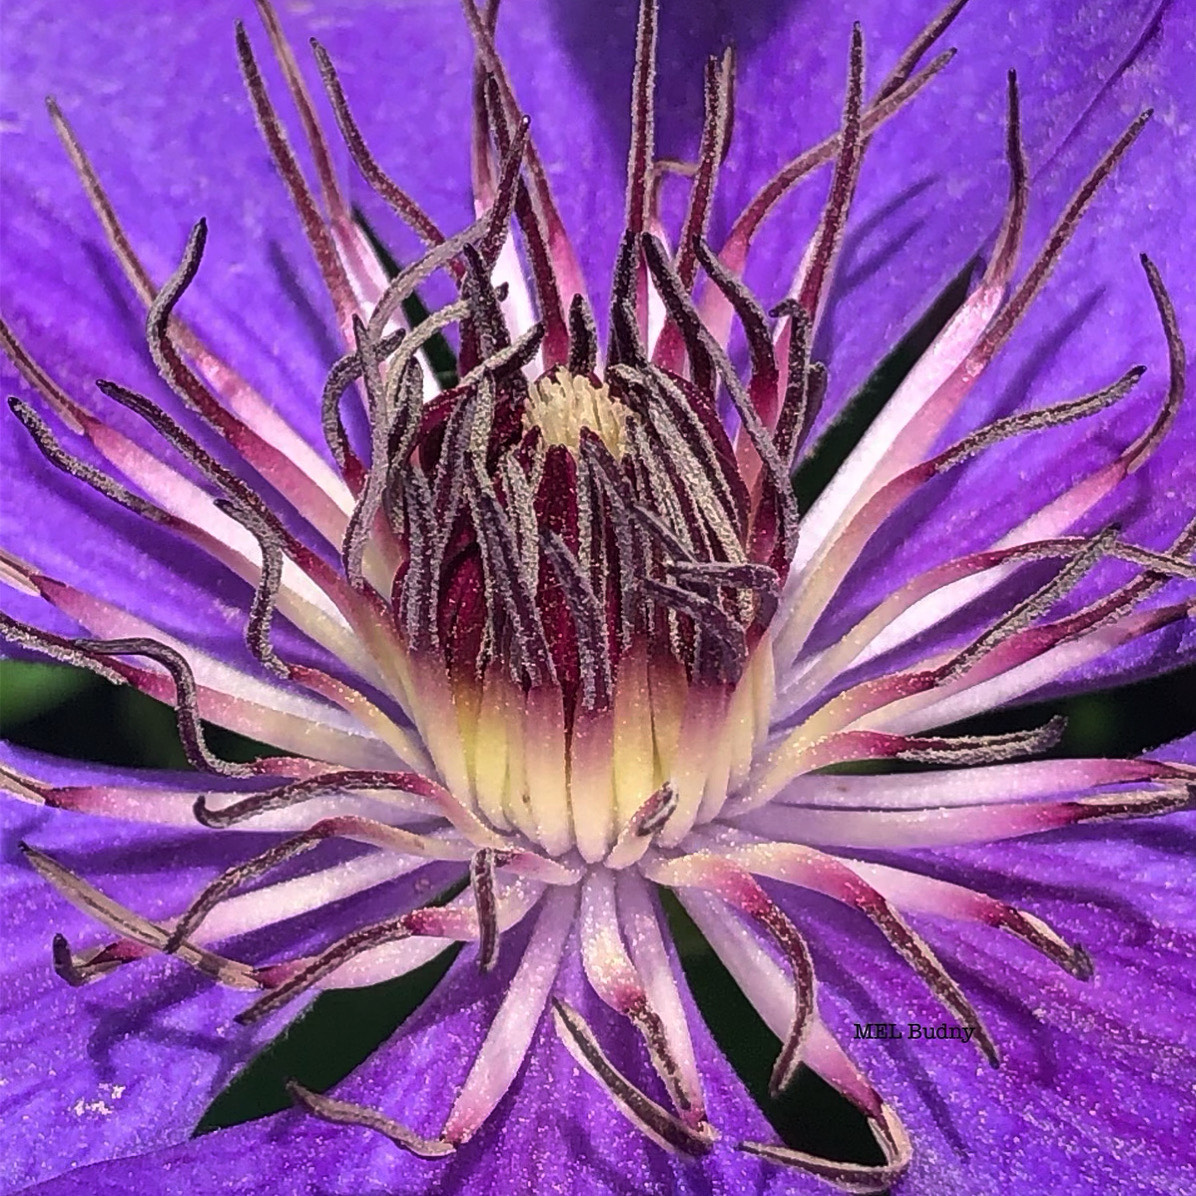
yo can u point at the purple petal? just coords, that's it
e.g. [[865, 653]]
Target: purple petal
[[130, 1062], [1094, 1076], [133, 91], [1095, 319], [555, 1130]]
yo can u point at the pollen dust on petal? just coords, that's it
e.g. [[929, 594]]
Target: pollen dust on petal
[[100, 1105]]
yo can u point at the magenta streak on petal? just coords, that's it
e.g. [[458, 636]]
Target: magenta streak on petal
[[273, 466], [1055, 517], [562, 264], [826, 574], [929, 600], [194, 513], [510, 1034], [1038, 667], [277, 902], [846, 491], [923, 894], [440, 927]]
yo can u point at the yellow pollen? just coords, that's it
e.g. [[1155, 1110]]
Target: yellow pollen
[[561, 404]]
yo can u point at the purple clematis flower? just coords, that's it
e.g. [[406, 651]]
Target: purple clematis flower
[[548, 625]]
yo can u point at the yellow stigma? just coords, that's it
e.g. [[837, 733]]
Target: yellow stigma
[[561, 404]]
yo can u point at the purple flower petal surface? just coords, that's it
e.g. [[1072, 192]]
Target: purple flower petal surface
[[554, 1131], [1094, 320], [1094, 1078], [130, 1063]]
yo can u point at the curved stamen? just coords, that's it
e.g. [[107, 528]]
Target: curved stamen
[[819, 264], [342, 1112], [97, 479], [186, 701], [117, 917], [481, 882], [736, 886], [265, 594], [343, 374], [636, 836], [362, 830], [641, 1110], [347, 780], [403, 285], [1177, 361], [890, 1136], [327, 258], [923, 894], [369, 502], [402, 204]]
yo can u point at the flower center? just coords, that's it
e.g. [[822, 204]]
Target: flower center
[[562, 404]]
